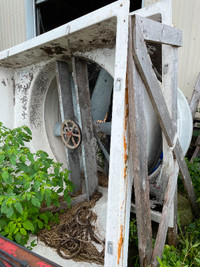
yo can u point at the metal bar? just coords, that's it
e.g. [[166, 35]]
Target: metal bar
[[120, 179], [6, 256], [37, 2], [23, 254], [30, 19]]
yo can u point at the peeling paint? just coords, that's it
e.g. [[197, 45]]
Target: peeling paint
[[120, 243]]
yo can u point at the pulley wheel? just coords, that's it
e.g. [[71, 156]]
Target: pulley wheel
[[71, 134]]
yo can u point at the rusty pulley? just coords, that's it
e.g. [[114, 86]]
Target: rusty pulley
[[71, 134]]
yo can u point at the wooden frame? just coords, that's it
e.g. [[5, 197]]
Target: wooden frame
[[141, 76]]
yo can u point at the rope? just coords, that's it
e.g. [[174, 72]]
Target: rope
[[75, 238]]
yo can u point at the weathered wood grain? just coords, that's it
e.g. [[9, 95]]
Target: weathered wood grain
[[158, 32], [194, 102], [185, 177], [164, 221], [173, 231], [63, 77], [138, 147], [80, 76], [149, 78], [144, 66]]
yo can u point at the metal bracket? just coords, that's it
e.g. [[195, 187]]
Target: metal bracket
[[110, 247]]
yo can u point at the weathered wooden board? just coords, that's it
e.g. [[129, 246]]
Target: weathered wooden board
[[148, 75], [158, 32], [173, 231], [63, 77], [185, 177], [164, 221], [138, 153], [80, 76], [194, 102], [149, 78], [197, 149]]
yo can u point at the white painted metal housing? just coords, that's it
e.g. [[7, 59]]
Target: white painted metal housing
[[27, 75]]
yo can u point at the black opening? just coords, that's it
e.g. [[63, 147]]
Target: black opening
[[53, 13]]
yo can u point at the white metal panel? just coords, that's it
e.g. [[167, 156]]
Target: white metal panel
[[7, 99], [12, 23]]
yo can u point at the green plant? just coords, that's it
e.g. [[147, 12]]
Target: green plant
[[188, 251], [27, 181], [194, 170], [133, 232], [133, 245]]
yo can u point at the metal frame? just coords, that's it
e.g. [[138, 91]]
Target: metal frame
[[30, 19], [36, 58]]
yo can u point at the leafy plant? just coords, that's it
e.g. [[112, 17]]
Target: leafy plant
[[27, 181], [194, 170], [188, 251], [133, 232], [133, 245]]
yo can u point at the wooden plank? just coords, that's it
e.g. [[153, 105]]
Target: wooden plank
[[169, 89], [164, 221], [185, 177], [158, 32], [63, 77], [194, 102], [80, 77], [143, 64], [197, 149], [195, 154], [174, 85], [173, 231], [155, 215], [138, 153], [149, 78]]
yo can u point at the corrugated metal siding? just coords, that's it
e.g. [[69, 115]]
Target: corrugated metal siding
[[186, 18], [12, 23]]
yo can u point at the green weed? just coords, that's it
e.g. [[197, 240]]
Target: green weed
[[27, 180]]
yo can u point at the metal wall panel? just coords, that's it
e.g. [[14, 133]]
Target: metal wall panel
[[186, 17], [12, 23]]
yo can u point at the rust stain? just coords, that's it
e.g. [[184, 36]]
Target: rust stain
[[125, 128], [120, 243]]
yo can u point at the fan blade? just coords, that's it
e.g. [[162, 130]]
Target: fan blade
[[57, 128], [101, 96], [104, 127]]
